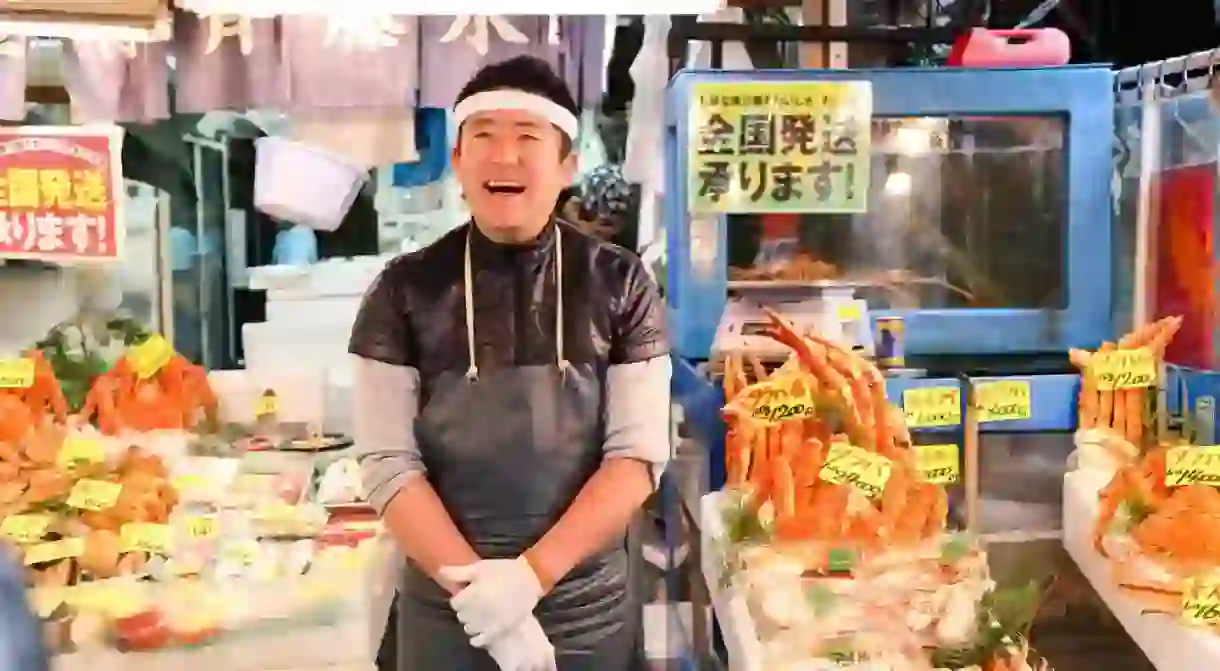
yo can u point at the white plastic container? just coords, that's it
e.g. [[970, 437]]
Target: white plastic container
[[301, 393], [304, 185]]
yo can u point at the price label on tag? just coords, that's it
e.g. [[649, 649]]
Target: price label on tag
[[932, 406], [850, 465], [150, 356], [267, 404], [780, 405], [25, 528], [1201, 602], [240, 553], [144, 537], [77, 452], [94, 494], [54, 551], [849, 312], [190, 483], [201, 526], [16, 373], [937, 464], [1188, 464], [1004, 400], [1124, 369]]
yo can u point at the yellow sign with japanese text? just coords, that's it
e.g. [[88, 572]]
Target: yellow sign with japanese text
[[1188, 465], [850, 465], [1004, 401], [932, 406], [780, 146], [1124, 369]]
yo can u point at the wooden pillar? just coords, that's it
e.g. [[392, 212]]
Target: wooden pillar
[[822, 55]]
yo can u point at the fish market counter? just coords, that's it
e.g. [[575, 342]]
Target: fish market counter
[[1167, 644]]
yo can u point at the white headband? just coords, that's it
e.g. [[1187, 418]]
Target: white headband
[[509, 99]]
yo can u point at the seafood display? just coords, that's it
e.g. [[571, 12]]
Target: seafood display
[[172, 395], [134, 539], [1121, 409], [835, 540]]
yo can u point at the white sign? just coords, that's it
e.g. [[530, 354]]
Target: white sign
[[270, 8]]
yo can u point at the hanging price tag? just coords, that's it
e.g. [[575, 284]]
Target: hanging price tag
[[143, 537], [117, 597], [267, 404], [937, 464], [77, 452], [94, 494], [16, 373], [1188, 464], [54, 551], [1004, 401], [25, 528], [932, 406], [150, 356], [1201, 602], [1124, 369], [850, 465], [201, 526]]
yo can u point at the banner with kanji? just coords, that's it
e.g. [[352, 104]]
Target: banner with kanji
[[61, 194], [780, 147]]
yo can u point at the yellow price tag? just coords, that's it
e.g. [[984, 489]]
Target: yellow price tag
[[267, 404], [1004, 400], [81, 452], [25, 528], [1201, 602], [1187, 465], [189, 483], [16, 373], [94, 494], [932, 406], [201, 526], [849, 312], [54, 551], [150, 356], [244, 553], [1124, 369], [938, 464], [850, 465], [145, 537]]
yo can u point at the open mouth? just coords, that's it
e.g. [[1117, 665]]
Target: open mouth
[[499, 187]]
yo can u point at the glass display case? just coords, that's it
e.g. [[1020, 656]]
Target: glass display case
[[986, 227], [950, 199]]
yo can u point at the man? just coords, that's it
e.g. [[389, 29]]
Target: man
[[512, 394]]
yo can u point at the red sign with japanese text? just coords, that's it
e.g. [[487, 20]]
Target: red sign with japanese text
[[61, 194]]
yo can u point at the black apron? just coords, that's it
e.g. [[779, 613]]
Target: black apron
[[507, 451]]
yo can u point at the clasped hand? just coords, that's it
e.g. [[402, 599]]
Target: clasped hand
[[495, 606]]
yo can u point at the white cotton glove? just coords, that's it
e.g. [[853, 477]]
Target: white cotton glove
[[523, 648], [498, 595]]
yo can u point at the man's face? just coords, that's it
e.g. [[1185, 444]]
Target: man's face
[[511, 165]]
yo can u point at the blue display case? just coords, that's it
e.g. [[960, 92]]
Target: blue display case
[[1045, 242]]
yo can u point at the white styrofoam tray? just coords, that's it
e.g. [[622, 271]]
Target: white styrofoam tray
[[736, 624], [1169, 646]]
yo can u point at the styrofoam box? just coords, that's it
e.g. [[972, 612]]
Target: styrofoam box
[[337, 309], [1168, 645], [736, 624], [301, 393], [333, 277]]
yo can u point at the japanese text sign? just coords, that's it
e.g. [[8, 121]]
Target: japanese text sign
[[780, 147], [61, 194]]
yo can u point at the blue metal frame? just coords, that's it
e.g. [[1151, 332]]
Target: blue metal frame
[[1081, 93]]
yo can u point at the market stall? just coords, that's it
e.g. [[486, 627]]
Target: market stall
[[154, 531]]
